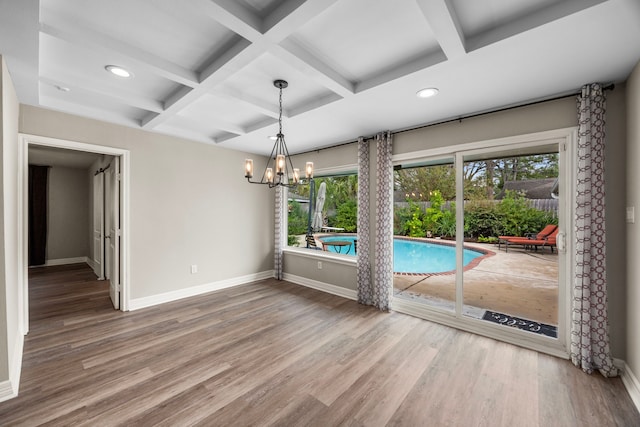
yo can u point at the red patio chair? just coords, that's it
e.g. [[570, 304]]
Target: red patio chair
[[549, 241], [546, 231]]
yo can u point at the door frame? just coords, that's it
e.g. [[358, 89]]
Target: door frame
[[566, 138], [111, 207], [24, 141]]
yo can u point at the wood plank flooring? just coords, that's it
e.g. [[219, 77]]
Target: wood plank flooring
[[275, 353]]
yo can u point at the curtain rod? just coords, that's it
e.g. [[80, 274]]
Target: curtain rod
[[610, 86]]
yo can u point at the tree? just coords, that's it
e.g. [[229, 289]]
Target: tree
[[418, 182]]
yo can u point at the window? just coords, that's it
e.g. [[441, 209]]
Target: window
[[322, 212]]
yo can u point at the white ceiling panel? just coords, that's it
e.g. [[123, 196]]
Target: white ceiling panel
[[261, 8], [166, 29], [230, 113], [256, 82], [479, 16], [383, 35], [77, 100], [68, 63]]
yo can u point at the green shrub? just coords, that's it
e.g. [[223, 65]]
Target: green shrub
[[511, 216], [433, 214], [347, 216], [481, 220], [400, 218], [490, 239], [518, 219], [292, 240], [414, 226], [298, 219], [446, 226]]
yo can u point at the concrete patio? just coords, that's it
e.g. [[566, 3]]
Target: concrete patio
[[522, 283]]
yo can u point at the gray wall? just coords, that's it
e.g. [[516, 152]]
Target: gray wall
[[68, 215], [529, 119], [633, 230], [189, 204], [10, 336]]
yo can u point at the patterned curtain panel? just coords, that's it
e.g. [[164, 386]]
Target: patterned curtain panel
[[590, 325], [365, 288], [279, 224], [383, 275]]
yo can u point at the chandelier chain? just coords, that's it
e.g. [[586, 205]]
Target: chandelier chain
[[280, 117]]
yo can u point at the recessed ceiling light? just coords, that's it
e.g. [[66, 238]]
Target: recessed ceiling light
[[118, 71], [273, 138], [62, 88], [427, 93]]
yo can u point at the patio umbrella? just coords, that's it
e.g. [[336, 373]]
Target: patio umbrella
[[317, 216]]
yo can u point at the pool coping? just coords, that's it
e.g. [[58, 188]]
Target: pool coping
[[436, 241]]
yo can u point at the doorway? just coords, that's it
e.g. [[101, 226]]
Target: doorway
[[112, 210], [485, 207]]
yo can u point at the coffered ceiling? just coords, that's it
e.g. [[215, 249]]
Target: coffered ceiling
[[203, 69]]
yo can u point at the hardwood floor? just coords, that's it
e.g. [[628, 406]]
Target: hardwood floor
[[274, 353]]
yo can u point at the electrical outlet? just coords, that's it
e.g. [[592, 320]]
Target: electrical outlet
[[319, 265], [194, 269]]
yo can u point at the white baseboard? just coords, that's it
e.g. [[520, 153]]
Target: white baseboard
[[321, 286], [629, 380], [9, 388], [138, 303], [64, 261]]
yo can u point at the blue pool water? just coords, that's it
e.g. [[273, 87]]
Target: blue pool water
[[411, 256]]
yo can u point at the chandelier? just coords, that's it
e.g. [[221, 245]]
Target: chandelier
[[281, 171]]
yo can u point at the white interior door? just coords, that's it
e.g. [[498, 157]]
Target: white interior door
[[98, 225], [112, 255]]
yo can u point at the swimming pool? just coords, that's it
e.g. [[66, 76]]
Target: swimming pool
[[415, 256]]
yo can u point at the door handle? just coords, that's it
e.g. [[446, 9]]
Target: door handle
[[561, 242]]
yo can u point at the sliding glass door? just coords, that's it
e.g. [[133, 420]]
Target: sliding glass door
[[512, 218], [479, 240], [424, 233]]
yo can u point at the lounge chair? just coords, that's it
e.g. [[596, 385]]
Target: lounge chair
[[546, 231], [549, 241]]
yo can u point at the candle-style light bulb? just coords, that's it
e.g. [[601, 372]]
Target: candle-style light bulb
[[269, 174], [309, 170], [280, 162], [248, 168], [296, 175]]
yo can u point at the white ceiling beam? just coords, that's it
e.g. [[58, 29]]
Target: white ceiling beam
[[212, 122], [298, 57], [97, 42], [530, 21], [233, 15], [85, 111], [262, 123], [222, 72], [19, 45], [185, 133], [444, 22], [314, 103], [291, 15], [258, 105], [402, 70], [83, 86], [285, 20], [228, 57]]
